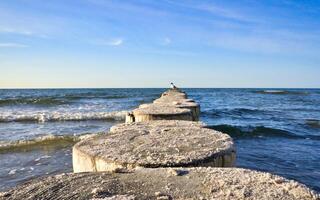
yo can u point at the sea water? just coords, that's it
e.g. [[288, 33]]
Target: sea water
[[275, 130]]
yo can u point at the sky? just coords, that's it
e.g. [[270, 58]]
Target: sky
[[150, 43]]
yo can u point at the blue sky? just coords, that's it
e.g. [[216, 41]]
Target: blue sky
[[144, 43]]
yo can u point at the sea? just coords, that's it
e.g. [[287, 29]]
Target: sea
[[275, 130]]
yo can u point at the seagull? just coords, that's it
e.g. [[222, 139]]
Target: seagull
[[173, 86]]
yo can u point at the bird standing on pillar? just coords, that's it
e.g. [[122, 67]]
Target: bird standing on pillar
[[173, 86]]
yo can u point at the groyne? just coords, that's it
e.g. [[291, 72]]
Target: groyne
[[165, 133], [163, 183], [151, 144], [172, 105], [162, 151]]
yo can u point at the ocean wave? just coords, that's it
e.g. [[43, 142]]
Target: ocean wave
[[259, 131], [57, 116], [56, 100], [281, 92], [45, 140], [93, 96], [236, 112], [43, 101]]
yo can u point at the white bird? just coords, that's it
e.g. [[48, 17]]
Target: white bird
[[173, 86]]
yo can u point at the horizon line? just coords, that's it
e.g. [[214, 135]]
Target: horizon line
[[44, 88]]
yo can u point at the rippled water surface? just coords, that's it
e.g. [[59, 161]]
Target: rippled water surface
[[275, 130]]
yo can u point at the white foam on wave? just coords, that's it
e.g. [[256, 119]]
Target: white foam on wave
[[12, 172], [274, 91], [52, 139], [61, 116]]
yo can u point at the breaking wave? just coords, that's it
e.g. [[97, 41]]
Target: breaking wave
[[57, 116], [42, 141], [259, 131]]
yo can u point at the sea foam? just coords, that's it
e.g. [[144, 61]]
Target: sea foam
[[61, 116], [43, 140]]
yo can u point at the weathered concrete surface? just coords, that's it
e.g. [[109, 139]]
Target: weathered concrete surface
[[171, 96], [172, 105], [154, 144], [174, 92], [158, 124], [181, 103], [150, 112], [164, 183]]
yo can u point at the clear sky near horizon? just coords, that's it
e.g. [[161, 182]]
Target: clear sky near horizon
[[149, 43]]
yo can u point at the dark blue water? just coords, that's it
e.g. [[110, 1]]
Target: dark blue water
[[275, 130]]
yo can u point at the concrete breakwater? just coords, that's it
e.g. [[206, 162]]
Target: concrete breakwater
[[139, 160], [172, 105], [161, 143], [163, 183], [150, 139]]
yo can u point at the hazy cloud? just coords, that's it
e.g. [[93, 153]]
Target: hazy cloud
[[116, 42], [166, 41], [225, 13], [10, 30], [111, 42], [12, 45]]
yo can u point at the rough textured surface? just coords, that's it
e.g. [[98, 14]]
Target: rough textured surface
[[159, 124], [183, 103], [174, 92], [160, 109], [172, 105], [163, 183], [152, 112], [168, 99], [154, 144]]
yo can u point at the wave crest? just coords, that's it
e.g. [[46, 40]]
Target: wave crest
[[259, 131], [56, 116], [41, 141]]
